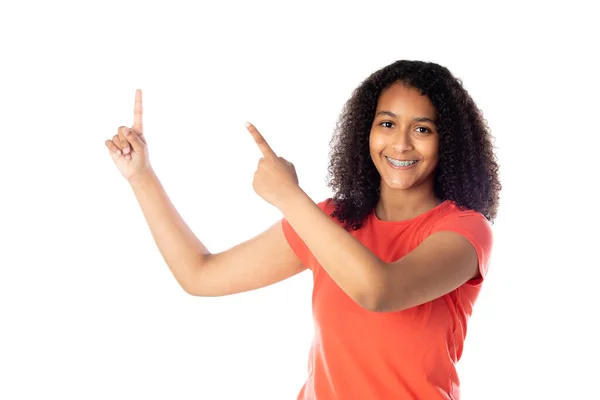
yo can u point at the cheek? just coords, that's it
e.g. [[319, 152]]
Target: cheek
[[434, 155], [372, 145], [375, 144], [434, 158], [431, 151]]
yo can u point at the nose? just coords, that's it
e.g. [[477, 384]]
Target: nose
[[402, 141]]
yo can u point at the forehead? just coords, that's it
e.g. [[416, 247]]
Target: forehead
[[401, 99]]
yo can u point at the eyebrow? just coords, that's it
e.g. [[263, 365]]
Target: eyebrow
[[418, 119]]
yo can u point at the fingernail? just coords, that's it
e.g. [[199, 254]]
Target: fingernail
[[118, 151], [126, 150], [248, 124]]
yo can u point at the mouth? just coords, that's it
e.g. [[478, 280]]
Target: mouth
[[403, 164]]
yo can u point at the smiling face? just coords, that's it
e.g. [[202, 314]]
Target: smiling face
[[404, 142]]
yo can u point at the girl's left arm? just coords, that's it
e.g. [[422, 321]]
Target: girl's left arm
[[440, 264]]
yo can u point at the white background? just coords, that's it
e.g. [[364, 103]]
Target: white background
[[88, 309]]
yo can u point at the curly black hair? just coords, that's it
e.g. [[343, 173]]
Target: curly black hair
[[467, 171]]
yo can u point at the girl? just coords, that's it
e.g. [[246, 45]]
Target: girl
[[398, 254]]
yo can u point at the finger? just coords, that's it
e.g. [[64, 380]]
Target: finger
[[262, 144], [112, 147], [138, 124], [287, 162], [135, 140], [124, 143], [117, 142]]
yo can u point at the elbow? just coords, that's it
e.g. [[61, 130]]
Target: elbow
[[199, 291], [379, 296], [372, 297], [378, 303], [198, 288], [189, 284], [372, 302], [368, 303], [190, 290], [187, 276]]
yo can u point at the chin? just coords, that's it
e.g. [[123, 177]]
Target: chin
[[395, 182], [399, 185]]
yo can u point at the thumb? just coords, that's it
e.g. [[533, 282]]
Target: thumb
[[134, 139]]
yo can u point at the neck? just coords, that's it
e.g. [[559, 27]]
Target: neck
[[400, 205]]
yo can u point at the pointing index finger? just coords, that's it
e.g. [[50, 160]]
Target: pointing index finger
[[138, 124], [262, 144]]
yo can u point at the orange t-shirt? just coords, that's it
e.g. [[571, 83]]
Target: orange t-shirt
[[409, 354]]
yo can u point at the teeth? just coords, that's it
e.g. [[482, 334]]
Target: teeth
[[398, 163]]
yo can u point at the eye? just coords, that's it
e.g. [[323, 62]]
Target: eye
[[427, 130], [386, 122]]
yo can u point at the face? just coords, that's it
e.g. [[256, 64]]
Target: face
[[404, 141]]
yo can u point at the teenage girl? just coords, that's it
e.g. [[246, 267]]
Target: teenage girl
[[398, 254]]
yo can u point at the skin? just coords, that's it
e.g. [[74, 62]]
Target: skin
[[443, 262], [440, 264], [258, 262], [400, 131]]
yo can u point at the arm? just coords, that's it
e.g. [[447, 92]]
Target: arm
[[256, 263], [444, 261], [259, 262], [439, 265]]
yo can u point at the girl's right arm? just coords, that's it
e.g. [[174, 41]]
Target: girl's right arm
[[258, 262]]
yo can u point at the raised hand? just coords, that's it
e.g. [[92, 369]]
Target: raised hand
[[275, 179], [128, 147]]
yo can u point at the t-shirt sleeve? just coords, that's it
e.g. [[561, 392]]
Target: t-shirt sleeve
[[476, 229], [296, 244]]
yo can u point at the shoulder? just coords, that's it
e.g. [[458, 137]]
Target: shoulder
[[470, 224], [454, 219], [295, 242]]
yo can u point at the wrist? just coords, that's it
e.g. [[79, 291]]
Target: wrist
[[293, 200], [141, 178]]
